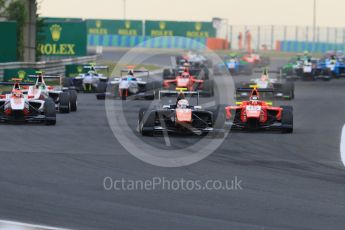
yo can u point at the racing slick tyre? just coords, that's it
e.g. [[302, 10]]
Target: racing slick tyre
[[207, 73], [123, 94], [209, 88], [101, 87], [66, 82], [64, 102], [218, 116], [100, 96], [73, 100], [49, 112], [287, 119], [146, 125], [167, 74], [289, 90]]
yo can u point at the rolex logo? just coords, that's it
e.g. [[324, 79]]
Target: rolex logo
[[127, 24], [21, 74], [55, 32], [98, 23], [162, 25], [198, 26]]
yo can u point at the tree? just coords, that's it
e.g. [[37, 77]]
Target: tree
[[16, 11]]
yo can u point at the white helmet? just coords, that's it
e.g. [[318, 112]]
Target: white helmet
[[182, 104]]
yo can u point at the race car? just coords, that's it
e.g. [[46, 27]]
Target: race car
[[332, 65], [256, 59], [281, 88], [181, 118], [139, 87], [305, 67], [288, 69], [17, 106], [255, 114], [194, 58], [197, 65], [87, 82], [234, 65], [308, 70], [65, 100], [186, 80]]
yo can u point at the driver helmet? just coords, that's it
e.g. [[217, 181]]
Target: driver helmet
[[185, 75], [130, 72], [17, 93], [254, 99], [186, 64], [182, 104]]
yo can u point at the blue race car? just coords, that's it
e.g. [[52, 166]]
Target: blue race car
[[233, 65]]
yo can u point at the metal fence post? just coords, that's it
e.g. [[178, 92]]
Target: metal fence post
[[272, 37], [259, 39], [231, 37], [327, 35], [285, 33]]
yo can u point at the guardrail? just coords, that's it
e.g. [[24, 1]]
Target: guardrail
[[50, 67]]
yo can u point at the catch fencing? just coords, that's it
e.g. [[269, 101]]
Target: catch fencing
[[269, 37]]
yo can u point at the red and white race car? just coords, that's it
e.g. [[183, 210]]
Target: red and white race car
[[256, 59], [191, 83], [18, 106], [255, 114]]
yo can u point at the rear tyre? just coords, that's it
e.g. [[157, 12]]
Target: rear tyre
[[218, 117], [288, 90], [49, 112], [287, 119], [123, 94], [73, 100], [166, 74], [64, 102], [145, 125], [101, 87], [67, 82], [209, 88]]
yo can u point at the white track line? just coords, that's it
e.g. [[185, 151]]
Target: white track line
[[14, 225], [342, 145]]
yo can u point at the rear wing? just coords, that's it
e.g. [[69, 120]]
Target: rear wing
[[140, 72], [244, 93], [44, 77], [175, 92], [96, 67], [278, 72], [20, 83], [15, 81], [249, 89]]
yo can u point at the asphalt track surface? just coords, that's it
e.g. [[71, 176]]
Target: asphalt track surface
[[54, 175]]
